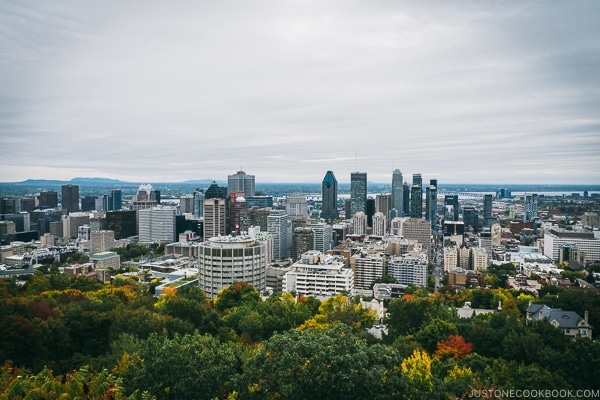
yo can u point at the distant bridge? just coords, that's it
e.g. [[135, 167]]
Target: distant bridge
[[462, 194]]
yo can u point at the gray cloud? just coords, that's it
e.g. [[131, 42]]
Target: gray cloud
[[463, 92]]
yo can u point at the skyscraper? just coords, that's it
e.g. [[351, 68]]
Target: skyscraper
[[358, 192], [431, 203], [416, 197], [279, 226], [70, 198], [116, 200], [156, 224], [215, 217], [487, 210], [406, 199], [398, 193], [329, 193], [451, 207], [241, 182], [530, 208]]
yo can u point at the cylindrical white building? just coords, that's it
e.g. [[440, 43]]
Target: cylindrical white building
[[225, 260]]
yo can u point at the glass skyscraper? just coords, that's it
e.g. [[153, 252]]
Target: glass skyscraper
[[329, 192], [398, 192], [358, 192]]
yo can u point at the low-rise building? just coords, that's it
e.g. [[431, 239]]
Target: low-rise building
[[320, 275], [568, 321]]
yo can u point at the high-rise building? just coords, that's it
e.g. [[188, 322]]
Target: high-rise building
[[215, 191], [157, 224], [416, 202], [27, 204], [358, 192], [379, 224], [383, 204], [144, 198], [116, 200], [237, 204], [329, 193], [223, 261], [296, 207], [186, 204], [303, 239], [471, 217], [88, 203], [370, 210], [451, 207], [199, 203], [359, 223], [278, 225], [409, 269], [367, 267], [215, 217], [398, 193], [419, 230], [123, 223], [406, 199], [323, 236], [254, 217], [530, 208], [70, 198], [241, 182], [487, 210], [431, 203], [101, 241], [48, 200]]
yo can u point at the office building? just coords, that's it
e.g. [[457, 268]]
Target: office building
[[530, 208], [584, 242], [107, 259], [419, 230], [259, 201], [296, 207], [416, 197], [157, 224], [241, 182], [223, 261], [215, 217], [71, 222], [48, 200], [237, 204], [451, 207], [488, 219], [383, 204], [406, 199], [254, 217], [471, 217], [70, 198], [450, 257], [199, 203], [323, 236], [27, 204], [101, 241], [398, 193], [303, 239], [479, 259], [88, 203], [186, 204], [319, 275], [115, 200], [145, 197], [329, 194], [358, 192], [431, 203], [123, 223], [279, 225]]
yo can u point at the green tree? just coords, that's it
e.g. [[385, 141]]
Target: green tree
[[184, 367]]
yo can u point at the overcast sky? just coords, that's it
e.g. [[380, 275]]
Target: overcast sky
[[157, 91]]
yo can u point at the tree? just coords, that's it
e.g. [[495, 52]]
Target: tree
[[318, 364], [184, 367], [454, 347], [236, 295]]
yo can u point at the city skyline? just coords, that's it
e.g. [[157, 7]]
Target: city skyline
[[498, 93]]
